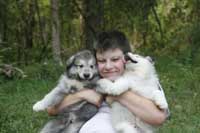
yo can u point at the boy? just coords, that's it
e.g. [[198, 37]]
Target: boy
[[109, 50]]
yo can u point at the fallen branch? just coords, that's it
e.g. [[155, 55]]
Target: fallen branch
[[10, 71]]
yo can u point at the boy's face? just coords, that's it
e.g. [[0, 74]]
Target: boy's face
[[110, 63]]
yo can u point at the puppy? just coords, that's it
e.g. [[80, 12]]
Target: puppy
[[81, 72], [140, 77]]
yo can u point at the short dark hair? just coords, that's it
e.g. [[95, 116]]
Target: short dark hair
[[111, 40]]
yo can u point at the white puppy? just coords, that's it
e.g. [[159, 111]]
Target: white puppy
[[140, 77]]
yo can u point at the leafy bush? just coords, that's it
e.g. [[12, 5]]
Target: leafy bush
[[47, 70]]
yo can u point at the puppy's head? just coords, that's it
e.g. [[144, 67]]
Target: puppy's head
[[82, 66], [140, 64]]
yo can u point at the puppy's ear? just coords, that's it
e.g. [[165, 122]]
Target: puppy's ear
[[69, 62], [150, 59]]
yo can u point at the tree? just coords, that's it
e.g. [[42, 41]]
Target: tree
[[55, 32], [26, 29], [91, 20]]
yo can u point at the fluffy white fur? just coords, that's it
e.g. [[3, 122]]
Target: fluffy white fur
[[140, 77]]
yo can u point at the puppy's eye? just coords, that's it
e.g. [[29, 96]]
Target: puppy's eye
[[91, 66], [81, 66]]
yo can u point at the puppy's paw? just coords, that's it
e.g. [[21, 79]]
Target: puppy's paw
[[100, 90], [104, 85], [39, 106]]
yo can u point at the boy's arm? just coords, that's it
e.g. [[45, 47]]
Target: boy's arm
[[87, 94], [141, 107]]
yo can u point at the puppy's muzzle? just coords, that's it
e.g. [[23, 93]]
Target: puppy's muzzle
[[128, 58], [87, 76]]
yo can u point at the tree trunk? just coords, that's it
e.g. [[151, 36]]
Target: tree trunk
[[42, 27], [56, 32], [27, 25], [91, 20]]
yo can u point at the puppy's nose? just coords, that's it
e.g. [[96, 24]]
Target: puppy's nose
[[86, 75], [128, 58]]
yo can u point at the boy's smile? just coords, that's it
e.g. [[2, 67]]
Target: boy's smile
[[110, 63]]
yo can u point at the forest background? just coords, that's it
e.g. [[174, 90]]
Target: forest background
[[36, 38]]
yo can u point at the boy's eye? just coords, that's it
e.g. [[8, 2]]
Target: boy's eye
[[100, 61], [115, 59]]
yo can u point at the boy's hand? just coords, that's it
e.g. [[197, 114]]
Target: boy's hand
[[91, 96], [110, 99]]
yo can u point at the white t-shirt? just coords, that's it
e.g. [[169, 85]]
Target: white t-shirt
[[100, 123]]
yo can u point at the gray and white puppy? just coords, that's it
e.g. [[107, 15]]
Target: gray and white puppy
[[80, 72]]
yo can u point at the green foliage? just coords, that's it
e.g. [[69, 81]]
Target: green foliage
[[47, 70], [169, 27]]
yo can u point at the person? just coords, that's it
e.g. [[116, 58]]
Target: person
[[109, 51]]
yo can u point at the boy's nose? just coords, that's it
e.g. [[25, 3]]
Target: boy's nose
[[108, 65]]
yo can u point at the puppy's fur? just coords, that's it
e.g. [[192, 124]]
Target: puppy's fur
[[80, 72], [140, 77]]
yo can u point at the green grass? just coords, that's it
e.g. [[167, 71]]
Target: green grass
[[17, 98], [181, 83], [182, 87], [18, 95]]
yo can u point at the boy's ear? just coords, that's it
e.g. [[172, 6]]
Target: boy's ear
[[124, 59]]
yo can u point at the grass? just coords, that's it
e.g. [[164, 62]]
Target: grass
[[18, 95], [180, 81], [16, 111]]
